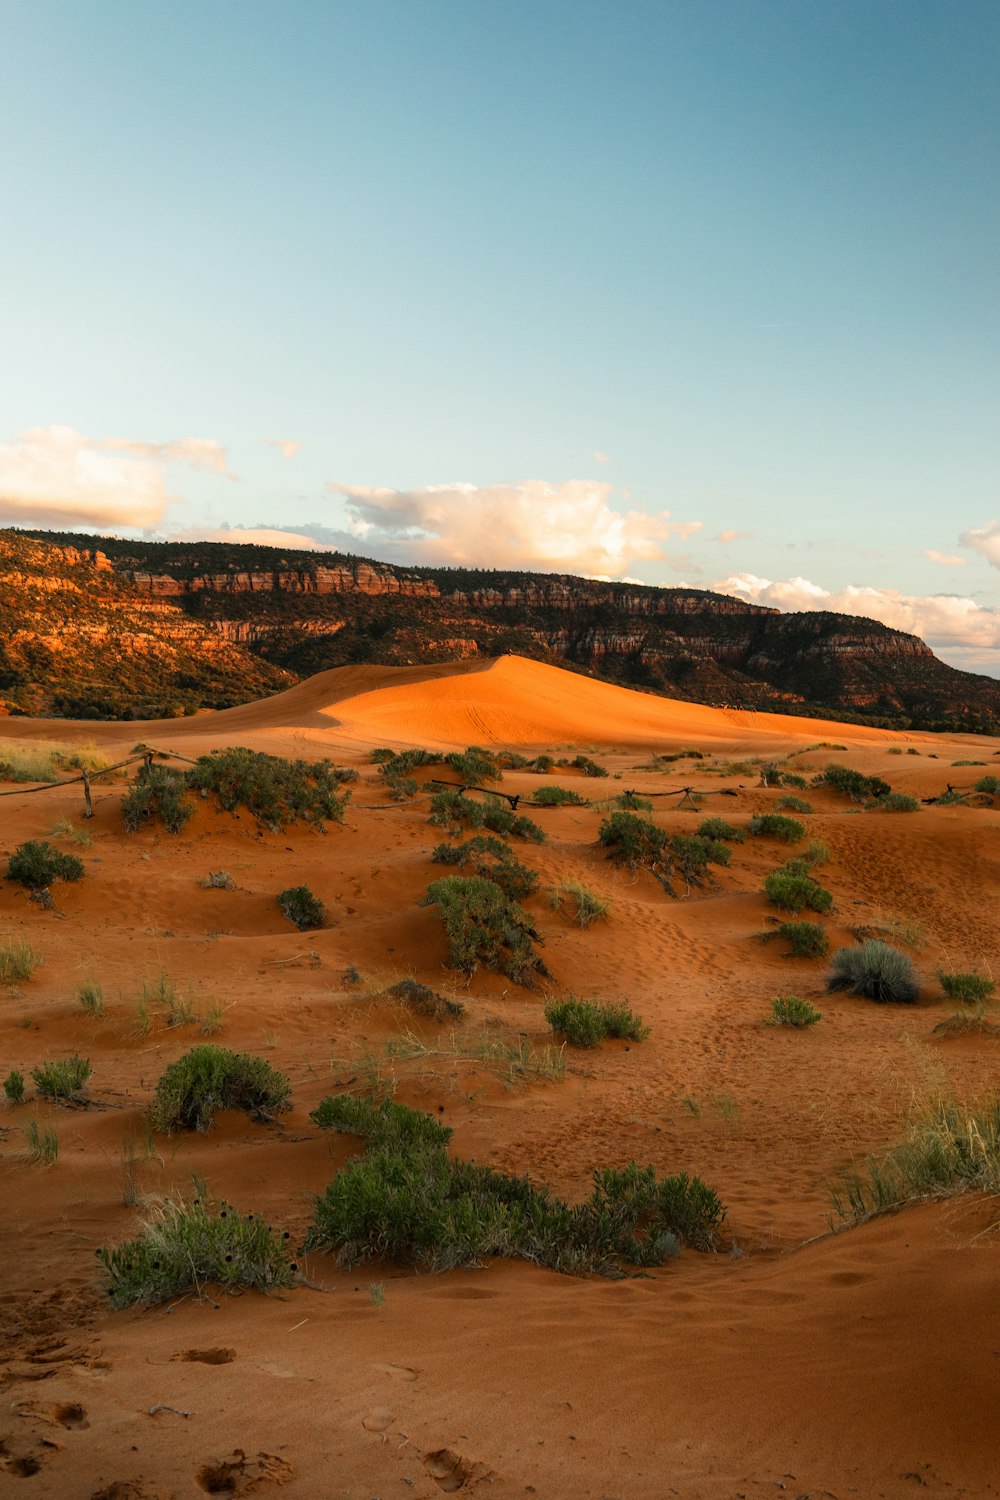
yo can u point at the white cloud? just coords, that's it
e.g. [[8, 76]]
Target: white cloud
[[55, 476], [730, 536], [261, 536], [569, 527], [944, 558], [948, 621], [601, 458], [197, 453], [984, 540], [288, 446]]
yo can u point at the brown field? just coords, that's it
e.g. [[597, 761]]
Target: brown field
[[796, 1361]]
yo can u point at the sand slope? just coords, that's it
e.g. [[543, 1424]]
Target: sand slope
[[863, 1364]]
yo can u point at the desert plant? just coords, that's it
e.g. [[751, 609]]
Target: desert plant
[[475, 765], [451, 809], [210, 1078], [13, 1087], [815, 853], [794, 891], [586, 765], [381, 1123], [719, 831], [63, 1079], [157, 794], [37, 864], [300, 906], [774, 826], [63, 828], [219, 880], [275, 791], [853, 784], [875, 970], [791, 1010], [895, 802], [795, 804], [18, 961], [40, 760], [558, 796], [91, 997], [633, 841], [490, 858], [805, 939], [586, 1023], [484, 926], [424, 1001], [183, 1246], [587, 905], [972, 988], [988, 784], [42, 1143]]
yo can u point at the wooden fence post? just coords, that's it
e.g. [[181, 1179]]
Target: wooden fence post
[[88, 806]]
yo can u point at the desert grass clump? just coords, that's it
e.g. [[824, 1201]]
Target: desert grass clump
[[63, 828], [586, 765], [805, 939], [13, 1087], [42, 1144], [558, 796], [453, 810], [491, 859], [792, 1010], [874, 970], [950, 1149], [720, 831], [210, 1078], [218, 880], [586, 1023], [795, 805], [475, 765], [485, 926], [90, 994], [18, 961], [273, 790], [424, 1001], [796, 891], [184, 1246], [775, 826], [37, 864], [990, 785], [853, 784], [301, 907], [63, 1079], [158, 794], [895, 802], [380, 1122], [973, 989], [586, 905]]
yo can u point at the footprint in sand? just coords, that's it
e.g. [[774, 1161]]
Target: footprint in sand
[[451, 1472], [398, 1372], [21, 1465], [240, 1475], [206, 1356]]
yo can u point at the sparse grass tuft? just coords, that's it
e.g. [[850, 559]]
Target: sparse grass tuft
[[587, 905], [91, 997], [13, 1087], [895, 802], [586, 1023], [64, 1079], [63, 828], [795, 804], [805, 939], [971, 988], [874, 970], [774, 826], [42, 1143], [18, 961], [381, 1123], [791, 1010]]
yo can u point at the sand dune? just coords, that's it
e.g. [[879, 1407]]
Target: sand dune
[[858, 1364]]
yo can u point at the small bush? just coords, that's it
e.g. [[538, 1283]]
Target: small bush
[[157, 794], [876, 971], [451, 809], [184, 1246], [790, 1010], [424, 1001], [18, 961], [805, 939], [633, 841], [484, 926], [210, 1078], [794, 892], [586, 1023], [815, 853], [795, 804], [42, 1143], [489, 858], [219, 880], [558, 796], [475, 765], [13, 1087], [382, 1123], [91, 997], [300, 906], [896, 802], [586, 765], [587, 905], [719, 831], [852, 784], [63, 1079], [774, 826], [37, 865], [988, 784], [972, 988], [273, 790]]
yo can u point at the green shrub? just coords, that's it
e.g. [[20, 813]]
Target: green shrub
[[852, 784], [690, 854], [558, 796], [973, 988], [424, 1001], [183, 1247], [988, 784], [587, 905], [37, 864], [794, 892], [300, 906], [489, 858], [585, 1023], [795, 804], [382, 1123], [774, 826], [63, 1079], [274, 790], [484, 926], [157, 794], [210, 1078], [633, 841], [875, 970], [18, 961], [896, 802], [475, 765], [586, 765], [719, 831], [805, 939], [790, 1010], [625, 802], [13, 1087], [452, 809]]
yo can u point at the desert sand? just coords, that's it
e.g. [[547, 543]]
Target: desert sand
[[796, 1361]]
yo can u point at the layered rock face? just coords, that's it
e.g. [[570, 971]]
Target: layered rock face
[[104, 622]]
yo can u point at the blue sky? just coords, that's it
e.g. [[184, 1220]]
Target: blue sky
[[700, 292]]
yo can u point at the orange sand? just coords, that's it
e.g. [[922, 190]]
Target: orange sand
[[861, 1364]]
